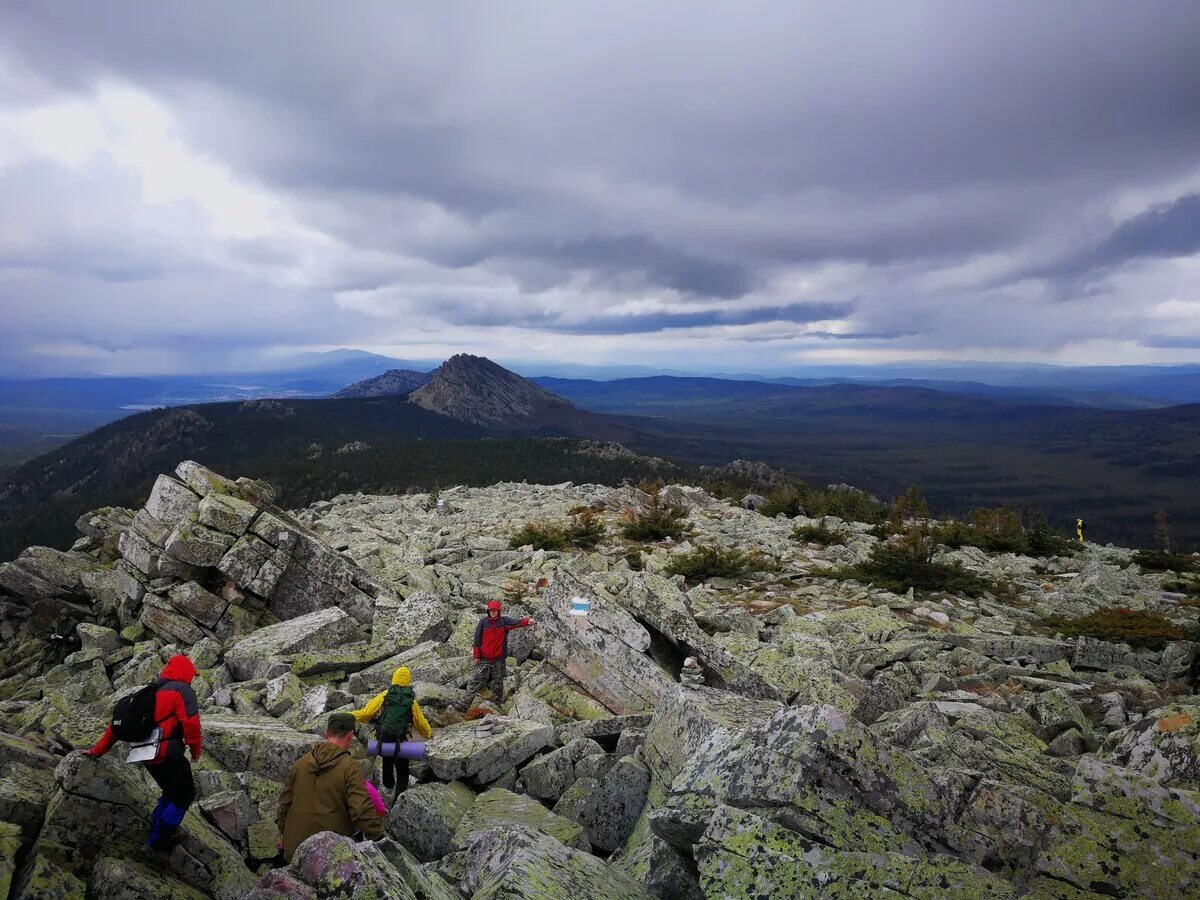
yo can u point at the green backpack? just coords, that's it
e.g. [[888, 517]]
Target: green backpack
[[396, 715]]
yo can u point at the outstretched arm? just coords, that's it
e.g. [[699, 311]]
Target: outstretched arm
[[371, 710], [103, 745]]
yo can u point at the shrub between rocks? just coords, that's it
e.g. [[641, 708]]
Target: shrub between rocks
[[656, 523], [712, 562], [584, 531], [819, 535], [1161, 561], [909, 563], [1118, 625], [846, 503]]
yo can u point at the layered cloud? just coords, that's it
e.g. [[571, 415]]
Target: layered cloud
[[696, 185]]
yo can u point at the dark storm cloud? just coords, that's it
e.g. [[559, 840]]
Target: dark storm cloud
[[652, 322], [543, 165], [1172, 229]]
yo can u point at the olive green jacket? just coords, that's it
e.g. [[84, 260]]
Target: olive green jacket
[[325, 792]]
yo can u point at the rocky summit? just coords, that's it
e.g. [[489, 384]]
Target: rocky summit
[[774, 728], [476, 390], [393, 382]]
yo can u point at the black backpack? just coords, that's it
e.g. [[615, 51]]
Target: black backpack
[[396, 716], [133, 716]]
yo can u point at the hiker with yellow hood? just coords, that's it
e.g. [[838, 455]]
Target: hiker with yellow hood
[[398, 711]]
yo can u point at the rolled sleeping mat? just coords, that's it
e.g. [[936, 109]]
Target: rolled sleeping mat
[[401, 749]]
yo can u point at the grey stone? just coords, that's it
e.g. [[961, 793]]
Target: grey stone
[[549, 775], [603, 652], [425, 817], [255, 744], [609, 808], [171, 502], [282, 693], [197, 545], [460, 752], [228, 514], [97, 637], [198, 604], [316, 631], [499, 808], [521, 863]]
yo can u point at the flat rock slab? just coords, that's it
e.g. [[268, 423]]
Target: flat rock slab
[[521, 863], [255, 744], [325, 628], [458, 752], [499, 808], [124, 879], [603, 652], [601, 728]]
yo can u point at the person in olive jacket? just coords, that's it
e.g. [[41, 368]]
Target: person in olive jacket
[[325, 791]]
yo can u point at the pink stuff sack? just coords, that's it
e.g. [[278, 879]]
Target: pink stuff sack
[[380, 806]]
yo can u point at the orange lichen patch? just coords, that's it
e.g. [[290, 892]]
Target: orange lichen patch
[[476, 712], [1171, 724]]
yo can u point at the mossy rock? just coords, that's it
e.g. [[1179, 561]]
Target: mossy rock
[[44, 879], [501, 808]]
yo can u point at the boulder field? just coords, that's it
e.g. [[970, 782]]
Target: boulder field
[[785, 732]]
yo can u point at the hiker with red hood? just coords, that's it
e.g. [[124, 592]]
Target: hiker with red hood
[[167, 711], [491, 649]]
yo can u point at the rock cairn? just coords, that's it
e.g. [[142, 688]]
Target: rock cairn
[[691, 676]]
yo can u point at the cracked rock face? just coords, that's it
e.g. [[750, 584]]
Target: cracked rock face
[[775, 734]]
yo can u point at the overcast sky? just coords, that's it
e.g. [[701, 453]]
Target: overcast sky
[[193, 186]]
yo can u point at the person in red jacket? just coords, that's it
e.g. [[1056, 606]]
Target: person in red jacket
[[491, 649], [178, 714]]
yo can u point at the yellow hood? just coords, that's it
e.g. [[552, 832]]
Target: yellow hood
[[402, 677]]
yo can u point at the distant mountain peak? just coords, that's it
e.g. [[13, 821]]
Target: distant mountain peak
[[392, 383], [474, 389]]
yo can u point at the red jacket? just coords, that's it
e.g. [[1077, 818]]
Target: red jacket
[[491, 636], [175, 708]]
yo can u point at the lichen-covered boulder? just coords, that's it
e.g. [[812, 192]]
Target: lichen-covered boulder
[[333, 865], [521, 863], [658, 603], [281, 885], [687, 719], [603, 652], [1055, 712], [548, 776], [10, 845], [17, 749], [24, 793], [404, 623], [608, 808], [742, 854], [326, 628], [499, 808], [45, 878], [255, 744], [461, 751], [97, 637], [425, 817], [171, 501], [102, 803], [124, 879], [231, 811], [1165, 745], [282, 693]]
